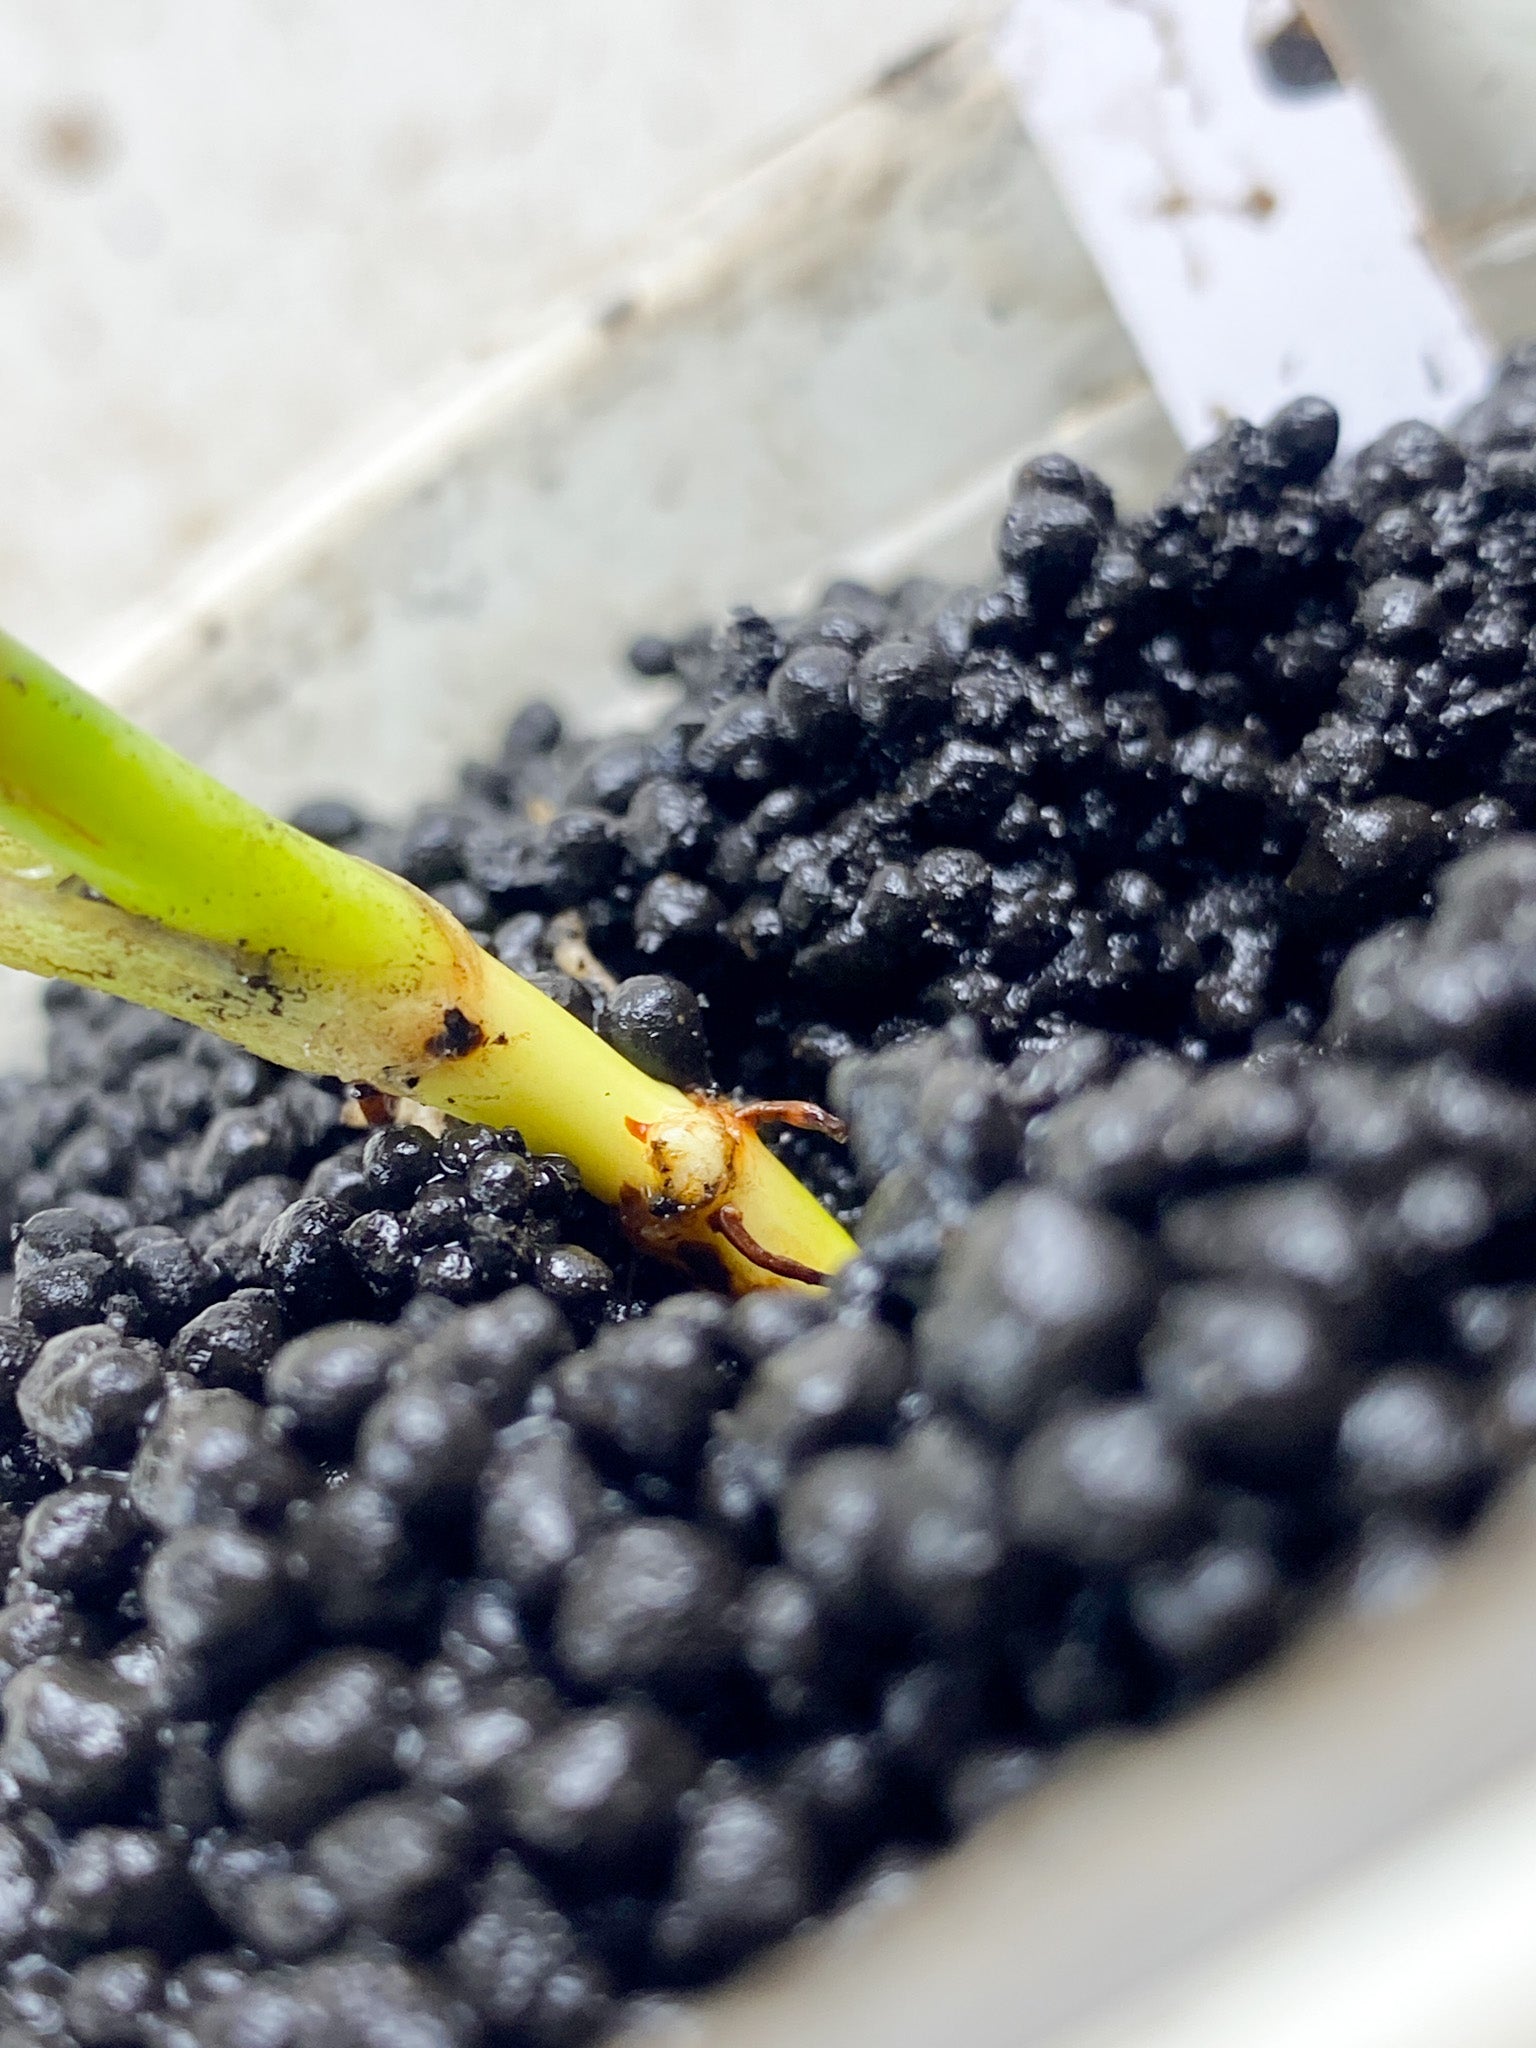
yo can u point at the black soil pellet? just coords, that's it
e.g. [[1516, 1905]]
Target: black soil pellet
[[424, 1616]]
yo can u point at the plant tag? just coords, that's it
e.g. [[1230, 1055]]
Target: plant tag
[[1258, 238]]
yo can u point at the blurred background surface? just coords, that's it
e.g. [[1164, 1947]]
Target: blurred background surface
[[238, 236], [242, 240]]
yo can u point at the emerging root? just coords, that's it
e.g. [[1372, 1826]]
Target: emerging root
[[803, 1116], [572, 954], [696, 1164], [366, 1108], [731, 1225]]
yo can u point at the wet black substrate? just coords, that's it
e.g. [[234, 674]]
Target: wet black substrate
[[424, 1619]]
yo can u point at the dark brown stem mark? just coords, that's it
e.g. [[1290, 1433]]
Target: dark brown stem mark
[[459, 1035]]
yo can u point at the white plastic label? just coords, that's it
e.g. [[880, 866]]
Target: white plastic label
[[1256, 243]]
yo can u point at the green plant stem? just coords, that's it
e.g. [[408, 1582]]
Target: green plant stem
[[124, 867]]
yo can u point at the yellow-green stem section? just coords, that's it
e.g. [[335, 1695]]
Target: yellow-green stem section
[[199, 904]]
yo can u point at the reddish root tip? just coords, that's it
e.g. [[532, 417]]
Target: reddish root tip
[[803, 1116], [728, 1221]]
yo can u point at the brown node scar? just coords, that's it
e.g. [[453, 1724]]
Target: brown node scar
[[731, 1225], [804, 1116]]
